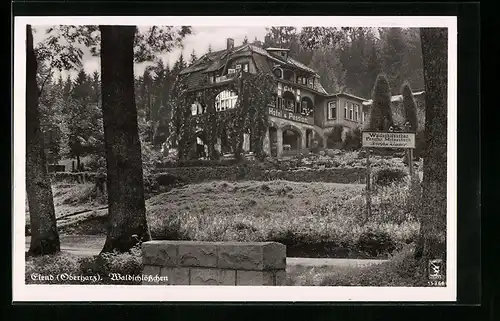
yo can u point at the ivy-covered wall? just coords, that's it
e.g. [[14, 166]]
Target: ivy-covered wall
[[249, 115]]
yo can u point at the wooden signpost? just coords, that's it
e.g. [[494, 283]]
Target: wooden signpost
[[391, 139]]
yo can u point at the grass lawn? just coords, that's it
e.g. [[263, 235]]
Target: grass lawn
[[311, 219]]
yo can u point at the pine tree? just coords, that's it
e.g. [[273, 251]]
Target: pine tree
[[380, 112], [372, 68], [179, 65], [192, 58], [393, 57], [410, 107]]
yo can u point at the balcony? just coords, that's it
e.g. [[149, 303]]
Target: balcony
[[227, 77], [289, 115]]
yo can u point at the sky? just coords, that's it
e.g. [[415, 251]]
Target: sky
[[199, 41]]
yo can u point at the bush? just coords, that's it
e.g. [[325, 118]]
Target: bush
[[335, 137], [198, 163], [375, 243], [96, 163], [109, 264], [352, 140], [387, 176], [250, 172]]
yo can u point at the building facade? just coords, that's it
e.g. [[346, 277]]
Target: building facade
[[302, 114]]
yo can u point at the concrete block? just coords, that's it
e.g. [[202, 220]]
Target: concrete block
[[159, 253], [176, 276], [280, 278], [251, 255], [198, 254], [211, 276], [258, 278]]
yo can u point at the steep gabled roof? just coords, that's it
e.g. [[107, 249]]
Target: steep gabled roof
[[214, 61]]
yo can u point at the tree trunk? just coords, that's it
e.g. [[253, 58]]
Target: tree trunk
[[78, 165], [432, 242], [44, 235], [125, 184]]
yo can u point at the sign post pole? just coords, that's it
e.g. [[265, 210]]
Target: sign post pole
[[368, 186], [409, 154], [410, 161]]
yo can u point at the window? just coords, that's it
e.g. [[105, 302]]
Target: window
[[304, 81], [362, 117], [345, 109], [351, 111], [299, 80], [310, 82], [356, 111], [278, 73], [332, 110], [245, 67], [302, 106], [194, 109], [226, 100], [275, 101], [281, 103]]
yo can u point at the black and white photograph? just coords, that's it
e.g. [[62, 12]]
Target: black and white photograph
[[188, 158]]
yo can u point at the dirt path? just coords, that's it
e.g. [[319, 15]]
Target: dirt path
[[90, 245]]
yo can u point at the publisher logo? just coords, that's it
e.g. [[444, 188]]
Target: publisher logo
[[435, 269]]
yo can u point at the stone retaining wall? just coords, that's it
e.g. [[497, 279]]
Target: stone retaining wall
[[214, 263]]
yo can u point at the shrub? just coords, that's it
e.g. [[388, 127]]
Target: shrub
[[198, 163], [335, 137], [352, 140], [387, 176], [96, 163], [108, 264], [375, 243], [380, 111]]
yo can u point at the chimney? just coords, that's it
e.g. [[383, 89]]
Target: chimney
[[230, 43]]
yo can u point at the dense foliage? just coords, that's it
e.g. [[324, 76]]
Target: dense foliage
[[248, 117]]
